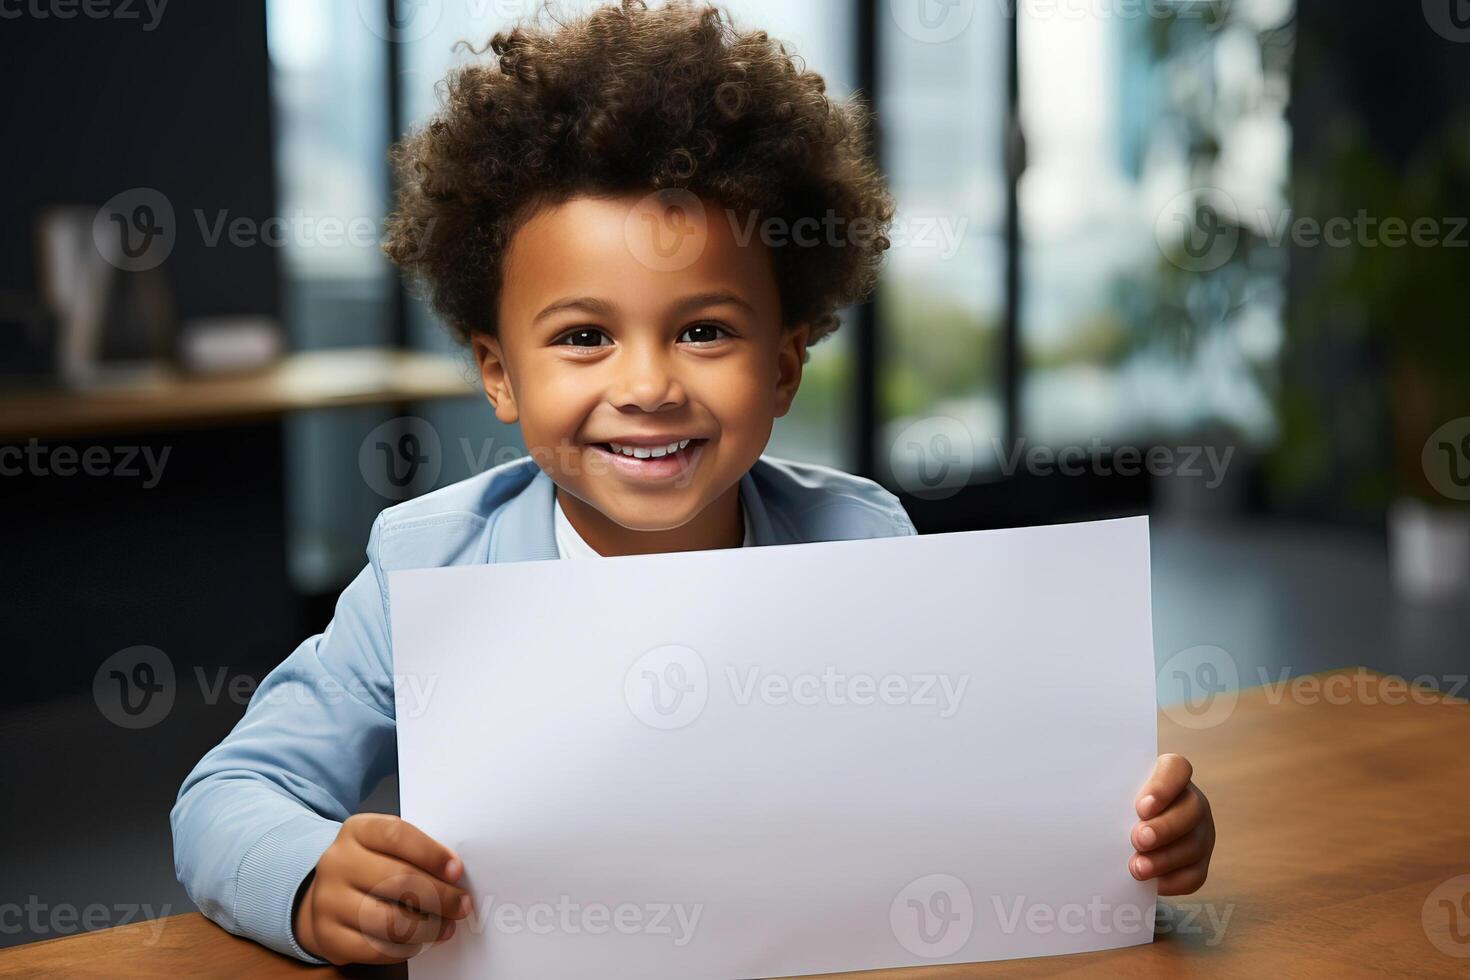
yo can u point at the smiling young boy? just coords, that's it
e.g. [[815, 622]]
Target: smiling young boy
[[579, 211]]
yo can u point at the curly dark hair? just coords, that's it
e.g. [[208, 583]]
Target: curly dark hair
[[628, 98]]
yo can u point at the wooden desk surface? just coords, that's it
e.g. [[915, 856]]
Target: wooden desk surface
[[1337, 818], [314, 379]]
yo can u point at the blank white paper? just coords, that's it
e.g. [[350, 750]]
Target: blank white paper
[[783, 760]]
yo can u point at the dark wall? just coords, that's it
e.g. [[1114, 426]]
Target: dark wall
[[192, 564], [196, 564], [1382, 60], [94, 107], [1385, 70]]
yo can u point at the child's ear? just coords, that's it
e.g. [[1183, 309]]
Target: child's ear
[[789, 361], [493, 375]]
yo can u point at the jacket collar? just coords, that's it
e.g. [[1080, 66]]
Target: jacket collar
[[526, 528]]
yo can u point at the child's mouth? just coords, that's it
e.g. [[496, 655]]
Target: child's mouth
[[650, 462]]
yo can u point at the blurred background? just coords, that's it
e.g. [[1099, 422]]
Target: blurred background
[[1202, 259]]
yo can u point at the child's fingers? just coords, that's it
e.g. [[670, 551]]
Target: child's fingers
[[1192, 848], [398, 881], [1171, 774], [1184, 881], [349, 944], [383, 920], [401, 839], [1187, 812]]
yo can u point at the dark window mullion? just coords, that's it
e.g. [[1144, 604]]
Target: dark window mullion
[[397, 297], [865, 319], [1014, 148]]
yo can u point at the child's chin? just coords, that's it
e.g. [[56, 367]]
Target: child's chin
[[674, 510]]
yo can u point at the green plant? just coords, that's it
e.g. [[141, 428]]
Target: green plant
[[1400, 285]]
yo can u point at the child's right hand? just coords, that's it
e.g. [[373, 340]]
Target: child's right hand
[[380, 893]]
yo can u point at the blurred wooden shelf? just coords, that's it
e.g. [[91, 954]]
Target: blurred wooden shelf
[[316, 379]]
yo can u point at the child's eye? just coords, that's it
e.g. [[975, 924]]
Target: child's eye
[[583, 337], [703, 333]]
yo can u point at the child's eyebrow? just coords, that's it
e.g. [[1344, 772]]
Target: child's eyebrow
[[589, 304], [714, 298], [599, 307]]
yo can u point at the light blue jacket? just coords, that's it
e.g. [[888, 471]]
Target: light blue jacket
[[259, 809]]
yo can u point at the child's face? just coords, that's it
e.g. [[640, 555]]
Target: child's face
[[604, 339]]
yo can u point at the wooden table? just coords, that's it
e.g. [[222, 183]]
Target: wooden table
[[1338, 814], [308, 380]]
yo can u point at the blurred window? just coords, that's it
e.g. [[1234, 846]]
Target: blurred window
[[1151, 131], [942, 100]]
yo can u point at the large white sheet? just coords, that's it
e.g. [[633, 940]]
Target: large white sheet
[[784, 760]]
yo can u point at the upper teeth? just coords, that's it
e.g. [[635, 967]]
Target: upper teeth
[[643, 452]]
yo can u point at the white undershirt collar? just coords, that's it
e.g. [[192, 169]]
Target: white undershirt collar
[[569, 543]]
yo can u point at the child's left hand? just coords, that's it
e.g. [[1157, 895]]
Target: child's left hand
[[1175, 835]]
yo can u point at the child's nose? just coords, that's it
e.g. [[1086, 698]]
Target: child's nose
[[646, 380]]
